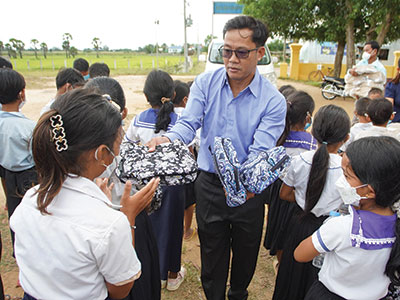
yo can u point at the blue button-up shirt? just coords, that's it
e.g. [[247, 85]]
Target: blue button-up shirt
[[15, 136], [253, 120]]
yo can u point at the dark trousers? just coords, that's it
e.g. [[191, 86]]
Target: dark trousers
[[221, 229], [319, 291], [17, 183]]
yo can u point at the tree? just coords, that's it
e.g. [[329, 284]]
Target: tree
[[73, 51], [207, 42], [1, 48], [96, 45], [18, 45], [66, 45], [10, 51], [34, 43], [44, 48]]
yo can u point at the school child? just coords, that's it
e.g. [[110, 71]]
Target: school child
[[361, 248], [16, 159], [310, 182], [363, 122], [147, 287], [182, 91], [380, 112], [70, 242], [296, 140], [167, 221]]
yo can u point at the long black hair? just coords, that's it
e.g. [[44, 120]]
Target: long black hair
[[110, 86], [159, 91], [299, 106], [331, 126], [381, 173], [89, 121]]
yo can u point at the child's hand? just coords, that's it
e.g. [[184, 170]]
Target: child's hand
[[102, 183], [133, 205]]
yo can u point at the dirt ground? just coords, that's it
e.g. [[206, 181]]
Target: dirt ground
[[263, 281]]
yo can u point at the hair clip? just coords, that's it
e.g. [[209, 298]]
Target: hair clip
[[108, 97], [290, 103], [325, 143], [165, 99], [58, 133]]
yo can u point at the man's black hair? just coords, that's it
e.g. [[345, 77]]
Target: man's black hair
[[374, 45], [81, 65], [260, 32], [99, 70], [4, 63], [69, 75], [361, 106]]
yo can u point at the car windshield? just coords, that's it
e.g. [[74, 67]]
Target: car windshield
[[216, 58]]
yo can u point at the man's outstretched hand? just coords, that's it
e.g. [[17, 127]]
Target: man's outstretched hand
[[157, 141]]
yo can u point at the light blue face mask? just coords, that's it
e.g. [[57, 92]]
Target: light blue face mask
[[86, 77], [308, 125]]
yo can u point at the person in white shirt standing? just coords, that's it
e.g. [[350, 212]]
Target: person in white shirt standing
[[370, 57], [70, 242]]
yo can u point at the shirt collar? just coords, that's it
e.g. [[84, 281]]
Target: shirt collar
[[11, 114], [253, 86], [88, 187]]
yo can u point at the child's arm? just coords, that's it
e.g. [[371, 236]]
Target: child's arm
[[305, 251], [287, 193]]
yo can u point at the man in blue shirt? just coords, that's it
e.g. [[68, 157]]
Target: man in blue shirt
[[238, 103]]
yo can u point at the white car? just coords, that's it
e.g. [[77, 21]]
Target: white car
[[264, 66]]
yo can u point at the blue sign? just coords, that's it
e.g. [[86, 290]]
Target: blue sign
[[329, 48], [228, 8]]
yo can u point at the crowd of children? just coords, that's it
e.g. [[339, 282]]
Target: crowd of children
[[80, 233]]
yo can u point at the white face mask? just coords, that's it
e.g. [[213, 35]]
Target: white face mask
[[21, 104], [366, 55], [110, 169], [349, 193]]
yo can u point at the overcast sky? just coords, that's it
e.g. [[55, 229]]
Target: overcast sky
[[118, 23]]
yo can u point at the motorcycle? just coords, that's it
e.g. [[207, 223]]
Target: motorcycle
[[332, 87]]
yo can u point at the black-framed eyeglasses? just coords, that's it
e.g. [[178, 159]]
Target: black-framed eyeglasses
[[240, 53]]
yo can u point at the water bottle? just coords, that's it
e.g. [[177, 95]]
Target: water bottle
[[318, 261]]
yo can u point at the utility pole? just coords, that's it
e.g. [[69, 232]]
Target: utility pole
[[157, 22], [185, 48]]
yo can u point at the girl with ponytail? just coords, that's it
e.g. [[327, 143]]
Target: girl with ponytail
[[167, 221], [310, 182], [361, 248], [296, 139], [70, 242]]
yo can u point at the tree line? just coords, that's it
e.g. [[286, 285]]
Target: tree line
[[346, 22], [15, 47]]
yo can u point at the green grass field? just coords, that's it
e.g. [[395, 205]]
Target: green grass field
[[119, 62]]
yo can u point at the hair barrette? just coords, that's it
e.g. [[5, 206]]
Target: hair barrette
[[165, 99], [58, 133]]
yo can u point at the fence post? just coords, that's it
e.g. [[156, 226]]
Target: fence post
[[129, 63], [41, 65], [153, 63], [115, 64], [27, 63], [295, 61], [65, 63], [141, 64], [52, 64], [166, 62]]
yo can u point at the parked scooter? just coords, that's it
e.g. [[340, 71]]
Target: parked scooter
[[332, 87]]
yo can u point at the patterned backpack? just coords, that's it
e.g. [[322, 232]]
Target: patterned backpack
[[255, 175], [261, 170]]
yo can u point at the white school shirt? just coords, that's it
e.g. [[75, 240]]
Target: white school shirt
[[297, 177], [352, 273], [354, 131], [47, 107], [72, 252], [376, 131]]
